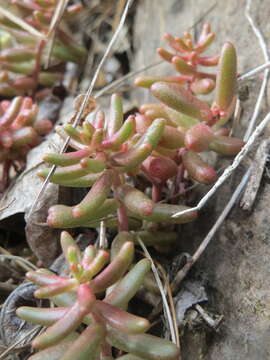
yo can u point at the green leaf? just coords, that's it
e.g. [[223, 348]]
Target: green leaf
[[143, 345], [180, 99], [226, 77]]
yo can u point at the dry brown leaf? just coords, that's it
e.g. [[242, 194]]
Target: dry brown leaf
[[20, 196]]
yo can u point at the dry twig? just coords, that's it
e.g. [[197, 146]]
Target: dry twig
[[190, 262], [254, 71], [229, 170], [23, 263]]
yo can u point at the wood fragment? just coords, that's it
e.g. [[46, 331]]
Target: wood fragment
[[257, 169]]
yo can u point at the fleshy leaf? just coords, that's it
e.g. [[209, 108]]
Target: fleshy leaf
[[226, 77], [182, 100], [127, 287], [225, 145], [120, 319], [198, 169], [144, 345], [115, 270]]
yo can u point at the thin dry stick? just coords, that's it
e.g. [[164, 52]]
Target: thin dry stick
[[8, 205], [229, 170], [115, 84], [254, 71], [119, 8], [264, 48], [86, 98], [19, 262], [236, 116], [8, 350], [166, 307], [57, 16], [24, 25], [183, 272], [25, 264], [103, 244]]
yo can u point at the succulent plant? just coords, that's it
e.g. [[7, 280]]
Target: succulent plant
[[192, 126], [186, 57], [20, 130], [83, 326], [107, 154], [22, 54]]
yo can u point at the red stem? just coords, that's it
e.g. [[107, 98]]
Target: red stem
[[121, 211], [36, 71], [122, 218], [5, 175], [156, 192]]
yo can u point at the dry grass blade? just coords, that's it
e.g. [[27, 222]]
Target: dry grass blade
[[171, 304], [86, 98], [183, 272], [166, 307], [59, 11], [18, 21], [229, 170]]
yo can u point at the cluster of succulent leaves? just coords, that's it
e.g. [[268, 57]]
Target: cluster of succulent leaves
[[20, 130], [22, 54], [161, 142], [82, 326], [109, 154], [186, 58], [193, 124]]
